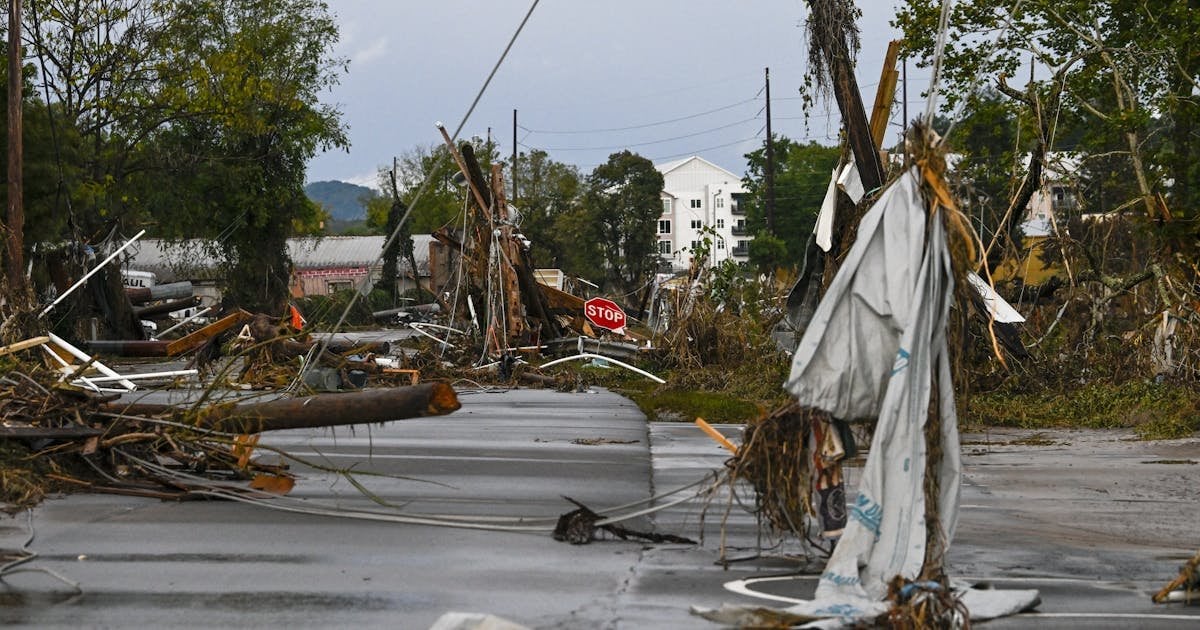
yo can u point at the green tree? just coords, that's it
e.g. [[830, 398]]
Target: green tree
[[196, 116], [991, 140], [1128, 71], [546, 189], [619, 214], [801, 177], [50, 155], [255, 70]]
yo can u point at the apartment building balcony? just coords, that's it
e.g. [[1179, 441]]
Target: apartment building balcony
[[739, 230], [740, 251]]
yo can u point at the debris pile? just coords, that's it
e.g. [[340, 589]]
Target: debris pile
[[70, 428], [1186, 587]]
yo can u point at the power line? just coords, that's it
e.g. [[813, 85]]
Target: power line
[[651, 142], [642, 126]]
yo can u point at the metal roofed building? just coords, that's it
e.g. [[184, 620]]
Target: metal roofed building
[[321, 265]]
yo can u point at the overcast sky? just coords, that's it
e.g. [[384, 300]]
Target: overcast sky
[[664, 78]]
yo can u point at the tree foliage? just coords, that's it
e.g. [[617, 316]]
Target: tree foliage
[[618, 216], [427, 178], [801, 177], [195, 116], [546, 189], [1129, 71]]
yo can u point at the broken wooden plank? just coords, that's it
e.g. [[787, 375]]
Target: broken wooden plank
[[196, 339], [23, 345]]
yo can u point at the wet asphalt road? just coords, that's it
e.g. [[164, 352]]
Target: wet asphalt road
[[1096, 522]]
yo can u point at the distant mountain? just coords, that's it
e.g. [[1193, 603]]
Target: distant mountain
[[343, 200]]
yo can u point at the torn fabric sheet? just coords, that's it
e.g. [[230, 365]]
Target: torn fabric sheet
[[824, 227], [873, 348], [850, 182], [982, 603]]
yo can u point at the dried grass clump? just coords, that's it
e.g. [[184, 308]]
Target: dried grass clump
[[775, 458], [923, 605]]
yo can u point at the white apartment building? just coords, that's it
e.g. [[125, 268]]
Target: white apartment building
[[698, 194]]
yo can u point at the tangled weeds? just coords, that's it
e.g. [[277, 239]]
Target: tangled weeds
[[923, 605], [775, 459]]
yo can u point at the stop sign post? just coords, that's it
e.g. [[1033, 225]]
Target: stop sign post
[[605, 314]]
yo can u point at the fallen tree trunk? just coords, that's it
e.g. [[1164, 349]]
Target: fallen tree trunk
[[174, 290], [166, 307], [320, 410]]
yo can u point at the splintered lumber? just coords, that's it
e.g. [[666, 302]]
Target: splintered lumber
[[168, 348], [196, 339], [319, 410], [23, 345], [561, 302], [288, 349], [47, 433]]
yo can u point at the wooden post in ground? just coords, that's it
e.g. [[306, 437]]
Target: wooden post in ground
[[15, 241]]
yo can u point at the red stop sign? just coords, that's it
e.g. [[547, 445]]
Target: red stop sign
[[604, 313]]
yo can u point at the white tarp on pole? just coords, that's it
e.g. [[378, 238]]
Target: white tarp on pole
[[873, 349], [876, 348]]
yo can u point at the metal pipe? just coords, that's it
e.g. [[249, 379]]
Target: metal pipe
[[144, 375], [79, 354], [197, 314], [89, 274], [170, 291], [588, 355]]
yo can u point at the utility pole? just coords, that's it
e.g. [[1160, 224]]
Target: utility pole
[[514, 158], [16, 208], [845, 89], [770, 161], [904, 108]]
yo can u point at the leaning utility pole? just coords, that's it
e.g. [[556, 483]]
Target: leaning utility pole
[[830, 38], [770, 161], [16, 209]]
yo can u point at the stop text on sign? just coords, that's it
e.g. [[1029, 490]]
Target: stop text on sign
[[604, 313]]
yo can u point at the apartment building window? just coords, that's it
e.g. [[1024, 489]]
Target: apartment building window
[[666, 206], [720, 202], [664, 227], [664, 248], [720, 224], [720, 243], [696, 224], [695, 245], [696, 204]]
